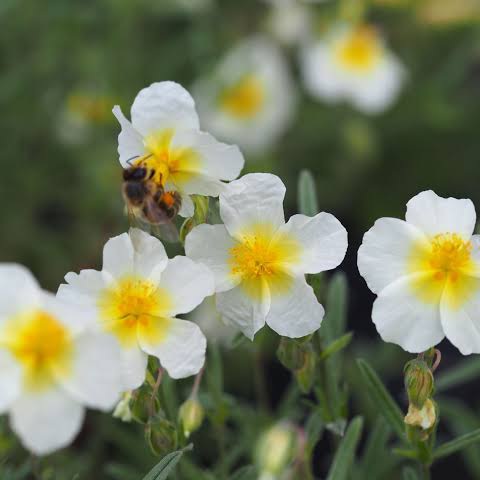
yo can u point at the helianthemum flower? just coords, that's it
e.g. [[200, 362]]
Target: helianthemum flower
[[250, 98], [164, 136], [352, 63], [136, 298], [51, 365], [426, 273], [260, 262]]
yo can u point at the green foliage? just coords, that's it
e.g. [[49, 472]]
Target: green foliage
[[307, 194], [166, 466]]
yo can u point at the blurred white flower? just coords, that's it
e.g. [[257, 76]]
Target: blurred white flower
[[259, 261], [250, 98], [426, 273], [136, 298], [352, 63], [51, 365], [165, 136]]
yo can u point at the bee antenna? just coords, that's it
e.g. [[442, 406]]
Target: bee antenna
[[132, 158]]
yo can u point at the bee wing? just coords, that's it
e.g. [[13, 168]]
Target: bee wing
[[166, 231], [153, 213]]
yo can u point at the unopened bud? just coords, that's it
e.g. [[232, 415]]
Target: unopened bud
[[191, 415], [143, 404], [291, 354], [424, 417], [276, 449], [201, 208], [418, 382], [161, 436], [306, 375], [186, 228], [122, 410]]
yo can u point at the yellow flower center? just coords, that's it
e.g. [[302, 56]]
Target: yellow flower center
[[91, 108], [244, 99], [263, 259], [171, 163], [132, 304], [360, 51], [448, 269], [41, 344]]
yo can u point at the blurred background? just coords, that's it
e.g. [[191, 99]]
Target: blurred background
[[64, 64]]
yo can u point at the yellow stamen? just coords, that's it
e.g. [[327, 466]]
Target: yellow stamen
[[360, 51]]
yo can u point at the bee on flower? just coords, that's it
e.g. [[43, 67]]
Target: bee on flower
[[352, 63], [250, 98], [136, 298], [259, 261], [163, 144], [52, 364], [425, 271]]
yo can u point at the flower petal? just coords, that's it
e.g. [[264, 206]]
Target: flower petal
[[323, 240], [256, 198], [211, 245], [383, 255], [181, 352], [433, 214], [402, 318], [188, 208], [10, 380], [133, 366], [187, 283], [243, 311], [94, 378], [199, 185], [297, 312], [118, 256], [150, 258], [161, 106], [130, 143], [46, 421]]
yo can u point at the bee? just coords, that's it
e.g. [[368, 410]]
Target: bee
[[148, 200]]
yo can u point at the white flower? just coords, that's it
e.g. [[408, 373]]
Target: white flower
[[259, 261], [250, 98], [352, 63], [426, 273], [136, 298], [164, 135], [51, 365]]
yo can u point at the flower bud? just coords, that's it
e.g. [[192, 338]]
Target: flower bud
[[143, 405], [161, 436], [418, 382], [291, 354], [201, 209], [306, 374], [122, 410], [276, 449], [424, 417], [186, 228], [191, 415]]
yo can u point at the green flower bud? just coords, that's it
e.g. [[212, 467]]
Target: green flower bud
[[276, 449], [418, 382], [191, 415], [122, 410], [161, 436], [142, 405], [306, 375], [201, 209], [291, 353], [186, 228]]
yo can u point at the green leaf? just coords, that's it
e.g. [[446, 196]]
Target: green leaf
[[409, 473], [462, 372], [376, 444], [458, 444], [345, 455], [335, 320], [336, 345], [307, 194], [162, 470], [314, 429], [245, 473], [384, 401]]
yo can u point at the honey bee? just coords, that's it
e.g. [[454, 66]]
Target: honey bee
[[147, 199]]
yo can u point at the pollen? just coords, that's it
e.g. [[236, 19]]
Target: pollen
[[360, 50], [254, 258], [41, 344], [244, 99], [133, 304]]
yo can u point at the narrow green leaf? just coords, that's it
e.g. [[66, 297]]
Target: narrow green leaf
[[409, 473], [457, 444], [345, 454], [162, 469], [336, 345], [307, 194], [335, 320], [245, 473], [464, 371], [314, 429], [384, 401], [376, 444]]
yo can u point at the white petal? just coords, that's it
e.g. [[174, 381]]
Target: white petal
[[211, 245], [150, 258], [433, 214], [217, 160], [201, 185], [297, 312], [10, 380], [383, 255], [256, 198], [163, 105], [401, 318], [182, 352], [133, 367], [242, 311], [323, 242], [18, 290], [95, 379], [188, 208], [46, 421], [130, 142], [462, 325], [187, 283], [118, 256]]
